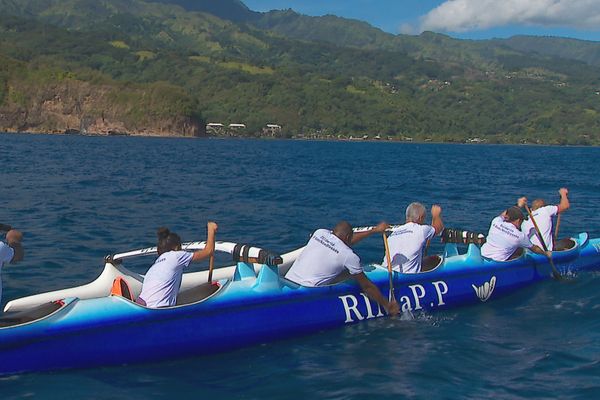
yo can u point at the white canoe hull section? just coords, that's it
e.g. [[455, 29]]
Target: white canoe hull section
[[101, 287]]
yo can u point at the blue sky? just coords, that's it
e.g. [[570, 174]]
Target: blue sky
[[467, 19]]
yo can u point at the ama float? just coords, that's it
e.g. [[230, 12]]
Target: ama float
[[246, 304]]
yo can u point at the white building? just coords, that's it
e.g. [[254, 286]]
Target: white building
[[272, 130], [215, 128]]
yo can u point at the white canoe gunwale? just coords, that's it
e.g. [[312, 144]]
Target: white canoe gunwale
[[113, 268]]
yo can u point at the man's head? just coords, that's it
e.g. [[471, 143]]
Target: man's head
[[538, 203], [415, 212], [514, 216], [343, 230], [14, 237]]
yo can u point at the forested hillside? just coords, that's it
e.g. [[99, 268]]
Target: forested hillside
[[171, 66]]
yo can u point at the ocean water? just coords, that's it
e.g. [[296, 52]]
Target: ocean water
[[79, 198]]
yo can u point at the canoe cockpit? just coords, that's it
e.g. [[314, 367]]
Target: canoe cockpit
[[34, 314]]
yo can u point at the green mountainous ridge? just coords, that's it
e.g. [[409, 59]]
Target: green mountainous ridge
[[168, 67]]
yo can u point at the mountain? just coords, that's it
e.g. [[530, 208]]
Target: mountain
[[151, 67], [339, 31], [232, 10], [571, 49], [353, 33]]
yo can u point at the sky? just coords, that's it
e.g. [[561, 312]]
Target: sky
[[464, 19]]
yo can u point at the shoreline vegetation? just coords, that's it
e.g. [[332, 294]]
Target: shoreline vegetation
[[313, 138], [181, 68]]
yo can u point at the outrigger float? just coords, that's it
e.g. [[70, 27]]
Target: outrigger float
[[246, 304]]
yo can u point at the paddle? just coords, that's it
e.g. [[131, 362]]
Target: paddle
[[426, 248], [211, 266], [391, 296], [556, 229], [211, 260], [555, 273]]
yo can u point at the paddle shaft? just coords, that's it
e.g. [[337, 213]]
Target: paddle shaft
[[389, 263], [555, 272], [211, 266], [556, 228]]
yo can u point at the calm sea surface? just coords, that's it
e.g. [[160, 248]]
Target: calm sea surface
[[80, 198]]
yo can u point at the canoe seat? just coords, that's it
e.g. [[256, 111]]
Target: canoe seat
[[33, 314], [121, 288], [197, 293]]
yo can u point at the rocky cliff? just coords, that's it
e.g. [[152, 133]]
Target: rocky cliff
[[73, 106]]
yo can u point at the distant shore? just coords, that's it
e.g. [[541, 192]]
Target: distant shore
[[110, 134], [329, 138]]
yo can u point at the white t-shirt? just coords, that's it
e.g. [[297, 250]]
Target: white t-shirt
[[6, 255], [406, 246], [324, 258], [503, 240], [543, 219], [163, 279]]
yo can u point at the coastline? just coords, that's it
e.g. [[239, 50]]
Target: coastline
[[114, 134], [299, 139]]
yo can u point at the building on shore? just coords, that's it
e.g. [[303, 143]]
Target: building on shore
[[215, 128], [235, 129], [272, 130]]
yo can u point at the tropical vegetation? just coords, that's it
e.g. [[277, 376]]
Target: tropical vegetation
[[143, 62]]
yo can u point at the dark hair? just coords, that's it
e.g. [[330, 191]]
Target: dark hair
[[167, 240], [513, 214], [343, 230]]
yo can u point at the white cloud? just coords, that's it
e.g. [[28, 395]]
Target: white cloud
[[470, 15]]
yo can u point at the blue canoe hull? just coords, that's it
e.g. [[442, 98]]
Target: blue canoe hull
[[253, 309]]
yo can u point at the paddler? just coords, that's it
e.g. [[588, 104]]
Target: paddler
[[505, 239], [328, 258], [163, 279], [543, 214], [408, 241], [12, 250]]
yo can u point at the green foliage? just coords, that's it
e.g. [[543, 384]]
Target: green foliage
[[234, 10], [119, 44], [3, 88], [343, 78]]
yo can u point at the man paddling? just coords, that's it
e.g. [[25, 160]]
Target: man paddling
[[328, 258], [543, 217], [11, 251], [407, 241], [505, 239]]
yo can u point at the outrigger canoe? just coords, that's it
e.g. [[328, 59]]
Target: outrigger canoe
[[247, 304]]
